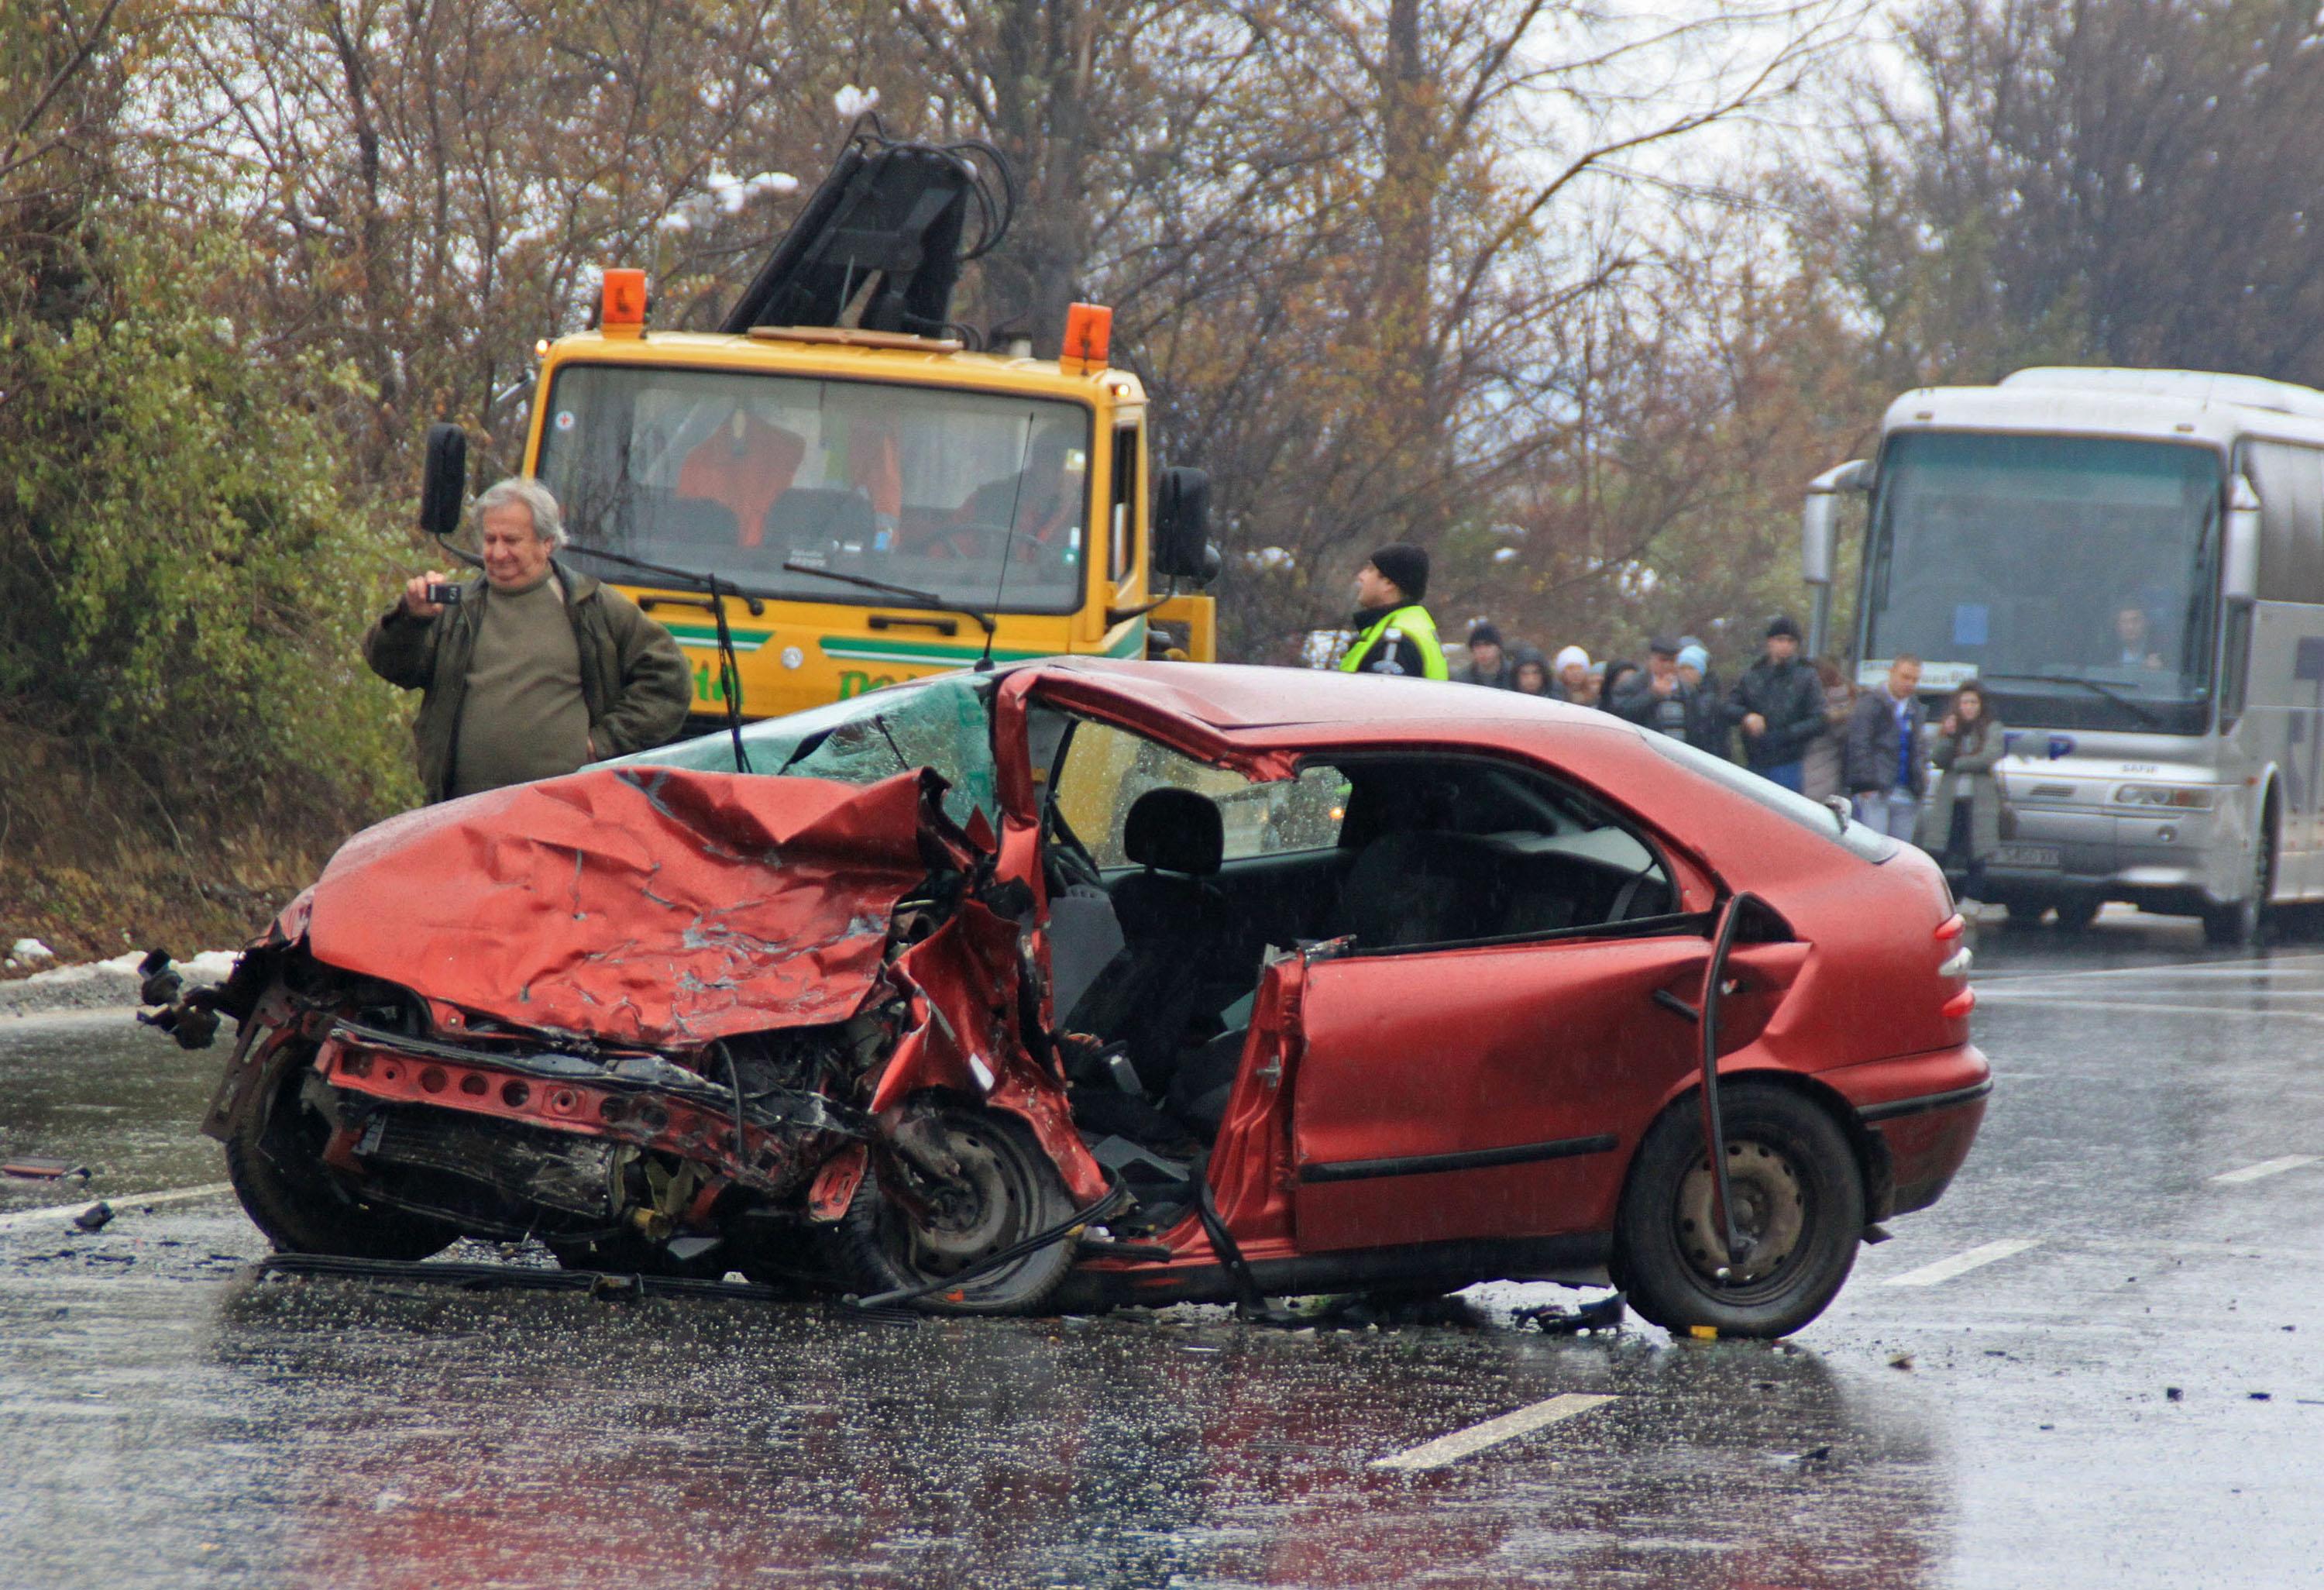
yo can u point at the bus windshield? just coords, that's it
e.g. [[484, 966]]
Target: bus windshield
[[2073, 575], [979, 499]]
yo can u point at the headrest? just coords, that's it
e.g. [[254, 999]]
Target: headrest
[[1174, 830]]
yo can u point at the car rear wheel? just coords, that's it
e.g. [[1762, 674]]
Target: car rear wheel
[[274, 1158], [1798, 1204], [922, 1229]]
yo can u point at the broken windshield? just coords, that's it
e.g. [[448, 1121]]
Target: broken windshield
[[943, 723]]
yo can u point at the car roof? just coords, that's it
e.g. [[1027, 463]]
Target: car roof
[[1234, 698]]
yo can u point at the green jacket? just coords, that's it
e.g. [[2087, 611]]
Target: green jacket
[[633, 677], [1400, 641]]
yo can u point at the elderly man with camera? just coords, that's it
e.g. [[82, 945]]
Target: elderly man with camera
[[532, 671]]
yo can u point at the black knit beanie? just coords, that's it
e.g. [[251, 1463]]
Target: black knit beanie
[[1407, 565]]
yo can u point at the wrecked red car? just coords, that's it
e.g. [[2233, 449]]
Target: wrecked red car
[[1081, 982]]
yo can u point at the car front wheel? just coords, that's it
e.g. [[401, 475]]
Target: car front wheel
[[1798, 1205], [1002, 1190], [274, 1158]]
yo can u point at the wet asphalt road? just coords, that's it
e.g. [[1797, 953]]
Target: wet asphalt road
[[167, 1421]]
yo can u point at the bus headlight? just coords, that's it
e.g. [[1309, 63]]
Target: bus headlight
[[2174, 796]]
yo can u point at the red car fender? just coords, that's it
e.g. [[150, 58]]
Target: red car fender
[[962, 982]]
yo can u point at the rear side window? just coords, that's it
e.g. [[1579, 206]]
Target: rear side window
[[1854, 838], [1107, 769]]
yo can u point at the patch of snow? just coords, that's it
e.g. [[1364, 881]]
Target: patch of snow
[[32, 949]]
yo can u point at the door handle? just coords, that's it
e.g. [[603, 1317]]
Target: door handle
[[942, 626]]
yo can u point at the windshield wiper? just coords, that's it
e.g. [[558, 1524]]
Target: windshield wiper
[[2130, 704], [927, 599], [715, 589]]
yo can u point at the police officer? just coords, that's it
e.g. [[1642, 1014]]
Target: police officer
[[1394, 634]]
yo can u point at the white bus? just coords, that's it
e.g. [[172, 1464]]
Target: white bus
[[2132, 562]]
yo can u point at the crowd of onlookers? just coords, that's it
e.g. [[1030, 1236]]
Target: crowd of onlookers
[[1800, 722]]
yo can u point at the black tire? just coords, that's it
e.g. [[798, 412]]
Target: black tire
[[2247, 921], [274, 1158], [1009, 1189], [1799, 1199], [2076, 912]]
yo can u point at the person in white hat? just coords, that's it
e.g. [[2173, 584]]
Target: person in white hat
[[1572, 669]]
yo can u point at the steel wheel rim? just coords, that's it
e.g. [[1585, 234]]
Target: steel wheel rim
[[982, 1214], [1771, 1210]]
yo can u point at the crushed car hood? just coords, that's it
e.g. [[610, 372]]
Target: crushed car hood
[[641, 905]]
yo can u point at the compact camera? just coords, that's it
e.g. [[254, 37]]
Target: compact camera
[[444, 595]]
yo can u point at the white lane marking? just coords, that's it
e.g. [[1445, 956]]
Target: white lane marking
[[1460, 1444], [2051, 1002], [1928, 1275], [2301, 965], [180, 1194], [2265, 1169]]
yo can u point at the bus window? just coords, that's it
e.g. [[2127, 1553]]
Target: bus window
[[2074, 574], [2291, 484]]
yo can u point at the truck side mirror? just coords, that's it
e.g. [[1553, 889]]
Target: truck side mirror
[[2239, 544], [1182, 516], [444, 483], [1820, 518]]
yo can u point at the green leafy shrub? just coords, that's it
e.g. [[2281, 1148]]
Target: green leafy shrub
[[182, 572]]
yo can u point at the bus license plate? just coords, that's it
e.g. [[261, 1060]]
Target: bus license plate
[[2029, 855]]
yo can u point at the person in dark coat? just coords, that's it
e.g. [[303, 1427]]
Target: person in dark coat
[[1490, 663], [536, 670], [1528, 671], [1962, 825], [1881, 764], [1658, 699], [1779, 704], [1707, 728], [1615, 685]]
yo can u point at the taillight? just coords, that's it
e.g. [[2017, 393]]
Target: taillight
[[1960, 1004], [1955, 965]]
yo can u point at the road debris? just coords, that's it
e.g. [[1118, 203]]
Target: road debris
[[95, 1217], [36, 1167]]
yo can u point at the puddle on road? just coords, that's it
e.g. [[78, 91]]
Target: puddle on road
[[96, 1089]]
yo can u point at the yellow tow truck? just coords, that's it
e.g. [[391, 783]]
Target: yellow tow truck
[[841, 482]]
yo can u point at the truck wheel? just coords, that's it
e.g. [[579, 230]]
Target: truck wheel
[[274, 1158], [1799, 1205], [1007, 1191], [2076, 912]]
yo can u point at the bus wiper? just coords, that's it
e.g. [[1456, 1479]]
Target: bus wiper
[[2130, 704], [927, 599]]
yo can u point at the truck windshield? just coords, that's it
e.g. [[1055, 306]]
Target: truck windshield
[[977, 498], [2073, 575]]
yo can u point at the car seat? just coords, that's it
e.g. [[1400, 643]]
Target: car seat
[[1171, 915]]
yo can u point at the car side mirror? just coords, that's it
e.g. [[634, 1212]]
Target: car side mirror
[[1182, 516], [1820, 518], [2239, 544], [444, 482]]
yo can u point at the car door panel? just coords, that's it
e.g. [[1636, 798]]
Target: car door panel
[[1488, 1091]]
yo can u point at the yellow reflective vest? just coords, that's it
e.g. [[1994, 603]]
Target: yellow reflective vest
[[1410, 622]]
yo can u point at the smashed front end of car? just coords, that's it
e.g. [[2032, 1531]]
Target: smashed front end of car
[[667, 1021]]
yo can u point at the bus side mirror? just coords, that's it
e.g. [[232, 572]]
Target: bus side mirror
[[1182, 518], [2239, 544], [444, 483], [1820, 518]]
